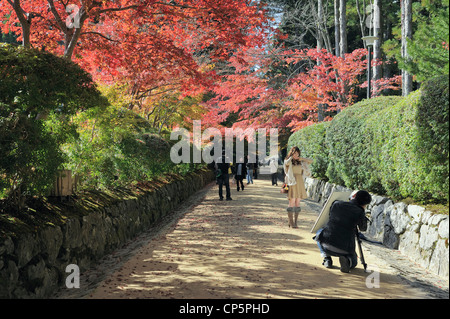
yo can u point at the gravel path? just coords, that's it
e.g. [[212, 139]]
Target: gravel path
[[243, 249]]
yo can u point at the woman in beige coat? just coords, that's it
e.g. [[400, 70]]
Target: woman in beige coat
[[294, 170]]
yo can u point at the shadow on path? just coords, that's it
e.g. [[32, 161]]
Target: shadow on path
[[234, 249]]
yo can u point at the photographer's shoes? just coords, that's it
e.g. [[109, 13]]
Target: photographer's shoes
[[327, 262], [346, 264]]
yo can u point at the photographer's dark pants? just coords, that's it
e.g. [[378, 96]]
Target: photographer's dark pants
[[328, 251], [224, 180]]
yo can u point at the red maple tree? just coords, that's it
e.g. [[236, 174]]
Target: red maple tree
[[148, 44], [326, 84]]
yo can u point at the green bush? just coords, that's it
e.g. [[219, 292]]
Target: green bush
[[37, 88], [432, 123], [311, 141], [351, 146], [394, 146], [117, 148], [395, 136], [113, 149]]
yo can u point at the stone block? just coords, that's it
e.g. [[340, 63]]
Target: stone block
[[399, 218]]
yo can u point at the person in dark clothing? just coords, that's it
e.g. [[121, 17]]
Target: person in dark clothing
[[240, 173], [223, 178], [250, 167], [337, 238]]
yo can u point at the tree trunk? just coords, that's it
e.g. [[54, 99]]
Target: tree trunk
[[25, 22], [320, 38], [377, 53], [406, 34], [343, 27], [320, 111], [337, 30]]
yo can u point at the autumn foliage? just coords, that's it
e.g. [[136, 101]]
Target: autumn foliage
[[327, 84], [148, 44], [157, 51]]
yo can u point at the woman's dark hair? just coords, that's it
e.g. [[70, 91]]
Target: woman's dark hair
[[362, 198], [293, 150]]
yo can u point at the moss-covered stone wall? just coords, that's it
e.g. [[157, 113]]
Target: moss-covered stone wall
[[33, 262]]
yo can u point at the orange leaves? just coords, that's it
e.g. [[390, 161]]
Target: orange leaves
[[325, 81], [119, 40]]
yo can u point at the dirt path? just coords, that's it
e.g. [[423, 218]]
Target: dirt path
[[242, 249]]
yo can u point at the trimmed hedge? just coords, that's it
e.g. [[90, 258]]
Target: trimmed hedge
[[387, 145], [433, 129], [311, 141], [352, 147]]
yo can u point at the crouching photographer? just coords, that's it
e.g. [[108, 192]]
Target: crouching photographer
[[337, 238]]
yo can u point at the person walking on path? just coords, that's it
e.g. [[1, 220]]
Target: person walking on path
[[255, 168], [222, 166], [273, 166], [249, 172], [293, 168], [240, 172]]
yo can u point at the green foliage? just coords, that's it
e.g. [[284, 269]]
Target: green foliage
[[35, 83], [29, 159], [112, 149], [37, 89], [351, 146], [433, 129], [388, 145], [311, 141], [413, 135], [429, 47], [117, 148], [428, 50], [395, 135]]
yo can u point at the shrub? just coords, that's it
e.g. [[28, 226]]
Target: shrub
[[388, 145], [433, 129], [413, 161], [394, 135], [115, 148], [311, 141], [36, 88], [351, 146], [29, 157]]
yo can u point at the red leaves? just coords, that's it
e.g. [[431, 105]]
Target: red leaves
[[331, 81], [149, 42], [326, 81]]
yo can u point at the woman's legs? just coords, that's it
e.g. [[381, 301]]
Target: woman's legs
[[296, 211], [290, 211]]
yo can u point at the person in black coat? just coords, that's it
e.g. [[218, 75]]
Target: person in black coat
[[240, 173], [337, 238], [222, 165]]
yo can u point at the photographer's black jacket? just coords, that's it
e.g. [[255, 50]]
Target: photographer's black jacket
[[341, 228]]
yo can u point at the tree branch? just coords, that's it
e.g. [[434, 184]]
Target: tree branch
[[58, 19]]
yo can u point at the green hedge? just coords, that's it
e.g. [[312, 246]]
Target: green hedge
[[351, 145], [433, 129], [388, 145], [311, 141], [36, 85]]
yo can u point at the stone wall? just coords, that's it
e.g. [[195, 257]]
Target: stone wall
[[414, 231], [33, 265]]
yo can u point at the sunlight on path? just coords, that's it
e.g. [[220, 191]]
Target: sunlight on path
[[241, 249]]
